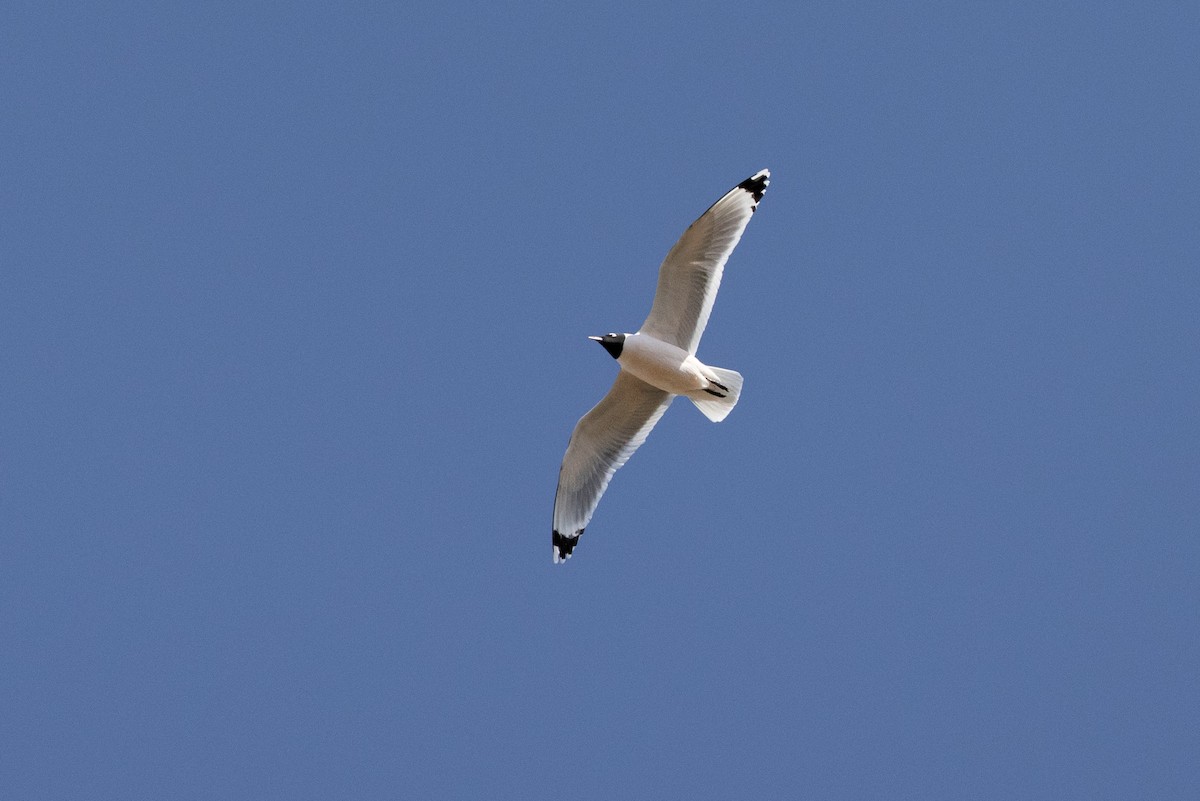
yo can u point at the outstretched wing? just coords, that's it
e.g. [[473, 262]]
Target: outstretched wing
[[691, 273], [602, 441]]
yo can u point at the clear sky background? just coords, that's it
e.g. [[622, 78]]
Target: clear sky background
[[293, 307]]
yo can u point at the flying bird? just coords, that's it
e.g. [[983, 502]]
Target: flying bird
[[657, 363]]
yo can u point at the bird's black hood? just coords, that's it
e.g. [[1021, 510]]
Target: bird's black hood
[[613, 343]]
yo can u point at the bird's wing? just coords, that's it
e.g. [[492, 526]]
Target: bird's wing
[[602, 441], [691, 273]]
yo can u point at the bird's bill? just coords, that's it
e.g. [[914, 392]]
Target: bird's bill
[[596, 339]]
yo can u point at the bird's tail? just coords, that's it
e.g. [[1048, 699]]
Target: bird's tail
[[718, 400]]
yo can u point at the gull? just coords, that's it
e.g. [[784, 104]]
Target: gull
[[657, 363]]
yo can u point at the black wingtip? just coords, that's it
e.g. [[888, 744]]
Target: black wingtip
[[564, 545], [756, 185]]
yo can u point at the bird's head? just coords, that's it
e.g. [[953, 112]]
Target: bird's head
[[613, 343]]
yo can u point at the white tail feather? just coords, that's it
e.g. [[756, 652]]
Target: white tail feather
[[716, 408]]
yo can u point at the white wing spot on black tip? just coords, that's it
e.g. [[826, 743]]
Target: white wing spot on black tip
[[564, 545], [756, 185]]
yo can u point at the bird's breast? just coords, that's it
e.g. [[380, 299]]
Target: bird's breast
[[661, 364]]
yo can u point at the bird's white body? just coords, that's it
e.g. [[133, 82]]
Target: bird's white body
[[663, 365]]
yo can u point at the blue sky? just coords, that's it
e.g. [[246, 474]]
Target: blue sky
[[293, 315]]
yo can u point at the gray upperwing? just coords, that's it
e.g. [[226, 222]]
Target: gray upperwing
[[691, 273], [602, 441]]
